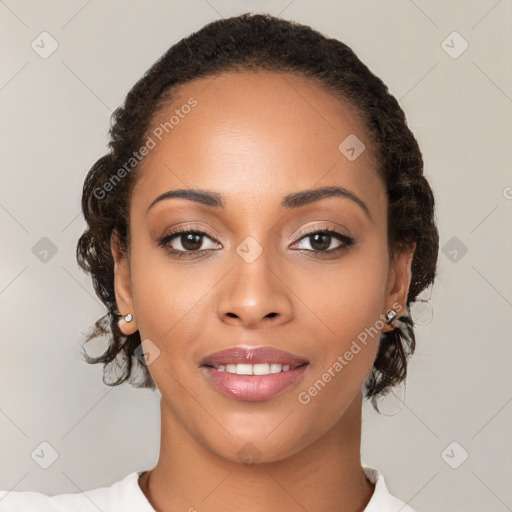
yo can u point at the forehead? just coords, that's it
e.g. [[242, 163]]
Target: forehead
[[253, 135]]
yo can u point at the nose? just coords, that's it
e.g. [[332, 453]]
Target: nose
[[255, 295]]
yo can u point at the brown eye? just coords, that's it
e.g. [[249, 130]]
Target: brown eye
[[184, 241], [191, 241], [320, 242]]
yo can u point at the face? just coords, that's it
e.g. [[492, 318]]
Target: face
[[257, 263]]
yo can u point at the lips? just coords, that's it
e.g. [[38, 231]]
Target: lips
[[253, 374], [252, 355]]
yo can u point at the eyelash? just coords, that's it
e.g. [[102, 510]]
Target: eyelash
[[347, 242]]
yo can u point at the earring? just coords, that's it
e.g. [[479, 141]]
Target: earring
[[127, 318], [391, 315]]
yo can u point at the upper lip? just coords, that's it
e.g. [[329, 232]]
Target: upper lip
[[252, 355]]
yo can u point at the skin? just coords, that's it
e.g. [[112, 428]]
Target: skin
[[255, 137]]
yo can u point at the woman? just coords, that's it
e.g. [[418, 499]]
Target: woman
[[257, 231]]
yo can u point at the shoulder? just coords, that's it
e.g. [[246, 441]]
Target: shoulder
[[382, 500], [123, 495], [126, 495]]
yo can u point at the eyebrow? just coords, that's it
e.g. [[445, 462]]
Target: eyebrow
[[294, 200]]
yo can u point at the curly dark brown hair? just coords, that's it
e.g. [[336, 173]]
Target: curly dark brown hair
[[259, 41]]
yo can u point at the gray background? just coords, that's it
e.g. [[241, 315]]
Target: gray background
[[54, 122]]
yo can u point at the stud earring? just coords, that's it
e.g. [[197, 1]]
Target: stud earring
[[391, 315], [127, 318]]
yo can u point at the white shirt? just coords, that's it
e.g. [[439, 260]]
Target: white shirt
[[126, 496]]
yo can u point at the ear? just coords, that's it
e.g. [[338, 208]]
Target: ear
[[122, 285], [400, 275]]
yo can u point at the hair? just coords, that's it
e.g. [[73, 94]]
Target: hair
[[260, 42]]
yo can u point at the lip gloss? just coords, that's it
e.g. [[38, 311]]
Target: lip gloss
[[253, 388]]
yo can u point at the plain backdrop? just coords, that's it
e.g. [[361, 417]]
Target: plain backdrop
[[449, 447]]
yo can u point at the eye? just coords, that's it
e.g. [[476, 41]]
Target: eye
[[184, 241], [321, 242]]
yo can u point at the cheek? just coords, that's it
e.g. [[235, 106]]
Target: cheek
[[165, 292], [174, 301], [348, 297], [349, 306], [345, 304]]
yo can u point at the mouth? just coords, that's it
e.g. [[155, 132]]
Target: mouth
[[253, 373], [242, 357], [254, 369]]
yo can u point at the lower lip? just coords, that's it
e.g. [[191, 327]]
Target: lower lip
[[253, 388]]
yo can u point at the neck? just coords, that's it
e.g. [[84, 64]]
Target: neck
[[326, 475]]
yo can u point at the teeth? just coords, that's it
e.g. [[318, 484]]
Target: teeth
[[261, 369], [244, 369], [275, 368], [253, 369]]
